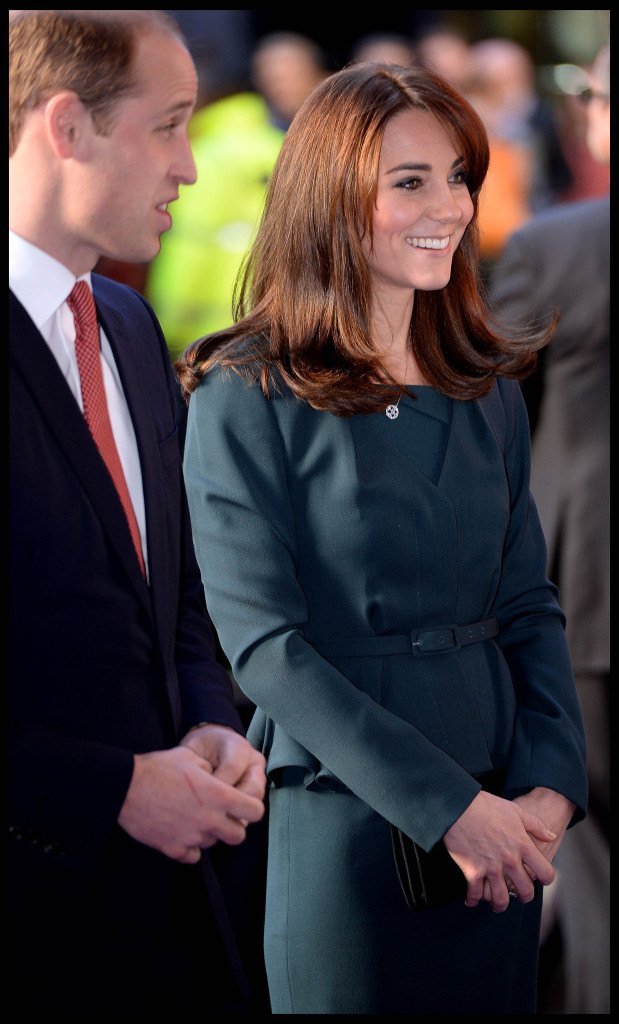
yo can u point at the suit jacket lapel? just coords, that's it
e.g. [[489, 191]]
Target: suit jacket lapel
[[134, 362], [42, 376]]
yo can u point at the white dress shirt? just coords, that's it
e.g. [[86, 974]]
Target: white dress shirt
[[43, 285]]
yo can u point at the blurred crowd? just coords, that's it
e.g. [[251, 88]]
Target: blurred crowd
[[540, 159]]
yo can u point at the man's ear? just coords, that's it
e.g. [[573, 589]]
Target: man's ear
[[66, 121]]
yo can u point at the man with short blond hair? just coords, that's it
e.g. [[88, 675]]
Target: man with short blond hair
[[128, 758]]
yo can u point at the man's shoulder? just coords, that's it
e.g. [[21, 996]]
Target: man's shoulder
[[127, 316], [121, 297]]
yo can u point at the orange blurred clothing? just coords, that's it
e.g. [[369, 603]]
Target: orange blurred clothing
[[504, 199]]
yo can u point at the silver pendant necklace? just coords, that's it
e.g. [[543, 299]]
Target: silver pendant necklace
[[392, 411]]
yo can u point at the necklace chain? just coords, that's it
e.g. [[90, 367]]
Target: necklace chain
[[392, 411]]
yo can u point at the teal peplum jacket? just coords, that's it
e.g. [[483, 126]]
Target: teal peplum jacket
[[317, 534]]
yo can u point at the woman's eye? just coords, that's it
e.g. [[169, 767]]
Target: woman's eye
[[460, 177], [409, 183]]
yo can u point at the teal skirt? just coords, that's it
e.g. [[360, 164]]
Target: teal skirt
[[339, 937]]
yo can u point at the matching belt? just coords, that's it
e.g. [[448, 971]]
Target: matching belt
[[418, 641]]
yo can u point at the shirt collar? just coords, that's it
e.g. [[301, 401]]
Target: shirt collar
[[40, 282]]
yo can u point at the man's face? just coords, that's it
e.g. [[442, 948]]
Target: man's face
[[127, 178]]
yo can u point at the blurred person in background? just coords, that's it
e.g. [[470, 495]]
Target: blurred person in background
[[590, 177], [285, 67], [505, 201], [528, 168], [560, 260], [389, 47], [519, 112], [447, 52]]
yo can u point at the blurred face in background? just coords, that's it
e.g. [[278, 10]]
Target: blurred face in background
[[450, 55], [598, 110], [285, 72]]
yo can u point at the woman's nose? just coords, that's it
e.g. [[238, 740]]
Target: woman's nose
[[444, 207]]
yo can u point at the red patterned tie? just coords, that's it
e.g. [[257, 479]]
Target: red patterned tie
[[96, 414]]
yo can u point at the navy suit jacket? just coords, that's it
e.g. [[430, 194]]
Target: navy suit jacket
[[102, 665]]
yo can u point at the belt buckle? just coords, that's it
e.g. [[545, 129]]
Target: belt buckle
[[435, 641]]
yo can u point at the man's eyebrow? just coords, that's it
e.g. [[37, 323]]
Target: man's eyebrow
[[178, 108]]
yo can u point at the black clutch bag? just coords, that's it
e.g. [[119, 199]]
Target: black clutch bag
[[433, 879]]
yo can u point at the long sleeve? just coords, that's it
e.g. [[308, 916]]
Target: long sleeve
[[548, 746]]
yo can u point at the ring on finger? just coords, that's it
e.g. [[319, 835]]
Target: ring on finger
[[511, 889]]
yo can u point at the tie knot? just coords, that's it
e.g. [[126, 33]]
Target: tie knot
[[82, 305]]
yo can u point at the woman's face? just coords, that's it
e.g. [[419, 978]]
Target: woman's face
[[423, 207]]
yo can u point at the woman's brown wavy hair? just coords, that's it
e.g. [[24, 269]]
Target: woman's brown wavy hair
[[303, 298]]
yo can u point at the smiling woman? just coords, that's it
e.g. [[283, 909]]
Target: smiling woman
[[336, 348], [335, 543]]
